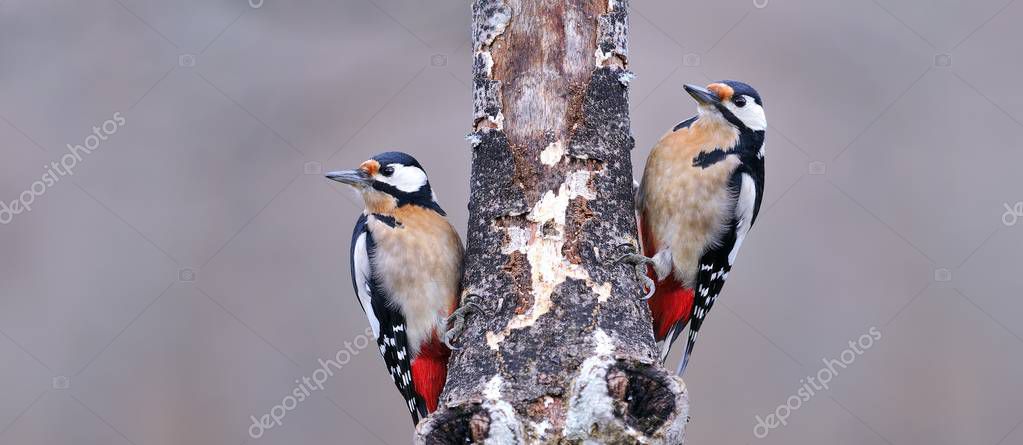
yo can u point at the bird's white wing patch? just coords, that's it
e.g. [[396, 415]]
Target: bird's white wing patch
[[744, 205], [363, 272]]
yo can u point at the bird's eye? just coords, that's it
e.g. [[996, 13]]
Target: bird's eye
[[739, 101], [387, 171]]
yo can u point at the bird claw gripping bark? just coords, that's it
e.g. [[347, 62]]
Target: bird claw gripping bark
[[641, 262], [457, 322]]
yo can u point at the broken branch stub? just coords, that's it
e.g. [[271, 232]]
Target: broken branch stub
[[562, 350]]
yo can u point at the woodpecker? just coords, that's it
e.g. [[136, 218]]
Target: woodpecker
[[406, 265], [700, 195]]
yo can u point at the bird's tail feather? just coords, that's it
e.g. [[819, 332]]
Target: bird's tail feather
[[689, 351], [665, 347]]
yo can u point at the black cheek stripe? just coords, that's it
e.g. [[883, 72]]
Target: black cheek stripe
[[387, 219]]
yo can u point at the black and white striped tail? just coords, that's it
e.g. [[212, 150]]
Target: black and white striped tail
[[689, 350]]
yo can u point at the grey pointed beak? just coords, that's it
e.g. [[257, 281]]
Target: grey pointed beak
[[354, 178], [702, 95]]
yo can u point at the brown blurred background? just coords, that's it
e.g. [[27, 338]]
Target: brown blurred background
[[194, 266]]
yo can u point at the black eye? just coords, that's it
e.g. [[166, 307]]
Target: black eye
[[387, 171], [739, 101]]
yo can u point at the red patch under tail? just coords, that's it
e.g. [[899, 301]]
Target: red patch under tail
[[430, 370], [672, 302]]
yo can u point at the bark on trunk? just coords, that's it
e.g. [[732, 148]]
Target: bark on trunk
[[563, 350]]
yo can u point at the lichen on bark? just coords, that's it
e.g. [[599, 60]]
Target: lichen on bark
[[562, 350]]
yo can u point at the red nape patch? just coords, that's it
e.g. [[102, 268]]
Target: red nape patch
[[429, 370], [671, 303]]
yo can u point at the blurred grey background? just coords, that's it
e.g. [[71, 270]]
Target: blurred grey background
[[194, 265]]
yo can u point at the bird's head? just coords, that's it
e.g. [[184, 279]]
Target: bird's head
[[735, 102], [388, 181]]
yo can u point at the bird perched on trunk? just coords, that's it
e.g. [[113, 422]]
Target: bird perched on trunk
[[700, 194], [406, 264]]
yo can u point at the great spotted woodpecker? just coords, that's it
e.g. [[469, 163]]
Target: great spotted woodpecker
[[406, 265], [700, 195]]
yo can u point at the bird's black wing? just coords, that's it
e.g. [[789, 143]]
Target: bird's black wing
[[388, 324], [685, 124], [718, 260]]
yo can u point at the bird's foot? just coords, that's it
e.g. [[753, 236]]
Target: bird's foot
[[457, 322], [650, 285], [632, 256], [640, 262], [635, 259]]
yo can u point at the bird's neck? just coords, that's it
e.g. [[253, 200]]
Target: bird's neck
[[379, 202], [397, 215], [743, 138], [750, 140]]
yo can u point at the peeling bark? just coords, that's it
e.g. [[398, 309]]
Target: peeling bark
[[563, 351]]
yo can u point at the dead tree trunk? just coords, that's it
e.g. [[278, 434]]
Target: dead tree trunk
[[562, 350]]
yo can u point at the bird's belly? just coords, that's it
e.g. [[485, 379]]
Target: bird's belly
[[688, 213], [419, 275]]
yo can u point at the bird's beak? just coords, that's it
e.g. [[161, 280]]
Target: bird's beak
[[702, 95], [356, 178]]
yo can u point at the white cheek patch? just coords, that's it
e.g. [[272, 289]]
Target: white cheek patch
[[752, 115], [405, 178]]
